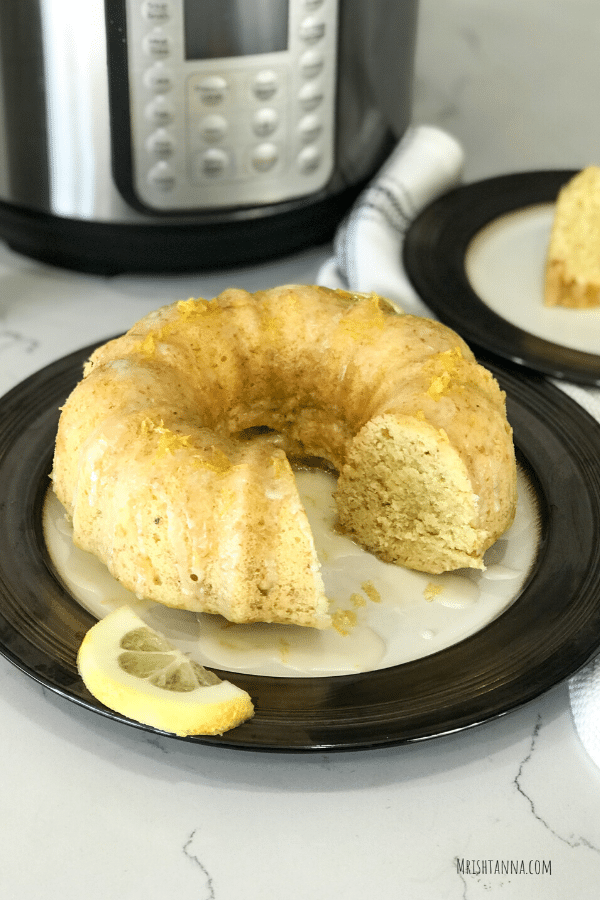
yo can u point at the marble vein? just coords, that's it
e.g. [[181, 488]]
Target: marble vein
[[190, 851], [573, 842], [11, 339]]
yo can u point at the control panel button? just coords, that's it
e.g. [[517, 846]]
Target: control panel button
[[311, 63], [310, 96], [265, 121], [162, 177], [309, 159], [161, 144], [310, 128], [312, 30], [160, 111], [212, 163], [156, 10], [211, 90], [157, 43], [159, 78], [264, 157], [213, 128], [265, 85], [313, 4]]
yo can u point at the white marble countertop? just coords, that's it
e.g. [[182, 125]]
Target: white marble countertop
[[91, 808]]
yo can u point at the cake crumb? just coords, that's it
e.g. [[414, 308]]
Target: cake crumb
[[432, 590], [344, 620], [371, 591], [284, 650]]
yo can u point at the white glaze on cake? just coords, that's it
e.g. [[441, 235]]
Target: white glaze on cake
[[394, 620]]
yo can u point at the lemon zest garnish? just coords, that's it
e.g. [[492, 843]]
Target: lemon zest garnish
[[170, 441], [280, 465], [365, 320], [220, 462], [148, 345], [443, 366], [187, 310], [438, 386]]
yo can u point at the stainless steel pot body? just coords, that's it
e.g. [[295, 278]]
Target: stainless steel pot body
[[63, 142]]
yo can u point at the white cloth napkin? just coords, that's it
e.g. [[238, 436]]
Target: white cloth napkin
[[584, 686], [584, 694], [368, 245], [367, 256]]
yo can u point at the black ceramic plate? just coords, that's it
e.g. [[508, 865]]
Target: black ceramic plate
[[551, 629], [434, 255]]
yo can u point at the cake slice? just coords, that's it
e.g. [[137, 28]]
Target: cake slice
[[572, 276]]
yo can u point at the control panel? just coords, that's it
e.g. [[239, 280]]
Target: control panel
[[232, 102]]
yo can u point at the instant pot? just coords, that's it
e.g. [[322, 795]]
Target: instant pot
[[174, 135]]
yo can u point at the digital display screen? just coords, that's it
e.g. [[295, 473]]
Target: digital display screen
[[218, 29]]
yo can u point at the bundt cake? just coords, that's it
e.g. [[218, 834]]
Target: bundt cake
[[572, 275], [162, 465]]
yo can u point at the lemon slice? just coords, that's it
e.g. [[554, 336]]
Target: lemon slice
[[137, 672]]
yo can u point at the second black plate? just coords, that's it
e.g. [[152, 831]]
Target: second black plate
[[434, 255]]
